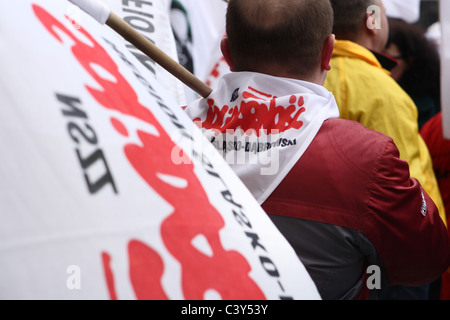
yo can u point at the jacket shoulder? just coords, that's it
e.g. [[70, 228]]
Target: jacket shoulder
[[360, 147], [366, 93]]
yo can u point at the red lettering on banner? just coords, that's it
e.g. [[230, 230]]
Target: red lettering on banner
[[180, 229], [265, 95], [152, 159], [146, 270], [109, 276], [254, 116]]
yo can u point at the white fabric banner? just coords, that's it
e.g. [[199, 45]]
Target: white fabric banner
[[151, 19], [107, 189], [445, 65]]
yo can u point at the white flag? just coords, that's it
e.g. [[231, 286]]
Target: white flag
[[107, 188]]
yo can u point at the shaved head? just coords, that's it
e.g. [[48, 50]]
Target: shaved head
[[266, 13], [287, 33]]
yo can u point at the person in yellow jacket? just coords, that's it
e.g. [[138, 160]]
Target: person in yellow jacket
[[365, 91]]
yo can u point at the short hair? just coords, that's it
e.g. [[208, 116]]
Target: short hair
[[349, 16], [422, 76], [288, 33]]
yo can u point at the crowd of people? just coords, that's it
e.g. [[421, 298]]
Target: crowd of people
[[365, 180]]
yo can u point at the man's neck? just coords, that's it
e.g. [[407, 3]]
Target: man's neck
[[366, 42]]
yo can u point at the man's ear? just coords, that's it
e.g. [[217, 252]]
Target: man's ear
[[327, 52], [225, 47]]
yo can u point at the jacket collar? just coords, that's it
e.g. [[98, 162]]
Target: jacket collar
[[345, 48]]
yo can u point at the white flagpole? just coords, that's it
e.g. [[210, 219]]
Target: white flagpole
[[100, 12]]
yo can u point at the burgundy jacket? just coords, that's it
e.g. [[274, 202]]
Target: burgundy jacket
[[349, 203], [433, 135]]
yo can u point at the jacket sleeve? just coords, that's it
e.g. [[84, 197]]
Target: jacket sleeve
[[404, 224]]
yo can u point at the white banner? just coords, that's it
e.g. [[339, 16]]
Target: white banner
[[151, 19], [445, 61], [107, 189]]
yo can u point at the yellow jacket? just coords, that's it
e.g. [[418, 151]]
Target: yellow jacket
[[366, 93]]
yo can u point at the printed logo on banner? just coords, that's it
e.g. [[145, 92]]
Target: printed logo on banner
[[174, 183], [254, 115]]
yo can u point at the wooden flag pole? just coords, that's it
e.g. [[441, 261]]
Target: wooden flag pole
[[102, 14], [157, 55]]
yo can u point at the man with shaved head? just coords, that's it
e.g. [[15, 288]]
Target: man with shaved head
[[337, 191], [365, 92], [263, 36]]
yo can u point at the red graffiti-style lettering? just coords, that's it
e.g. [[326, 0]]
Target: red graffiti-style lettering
[[146, 268], [247, 94], [109, 276], [193, 216], [258, 112], [198, 218]]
